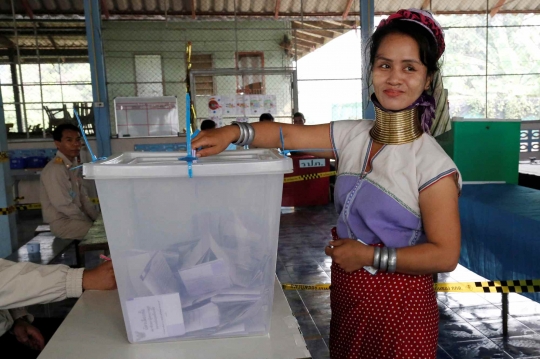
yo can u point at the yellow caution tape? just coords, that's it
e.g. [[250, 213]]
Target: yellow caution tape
[[308, 177], [4, 156], [503, 286], [28, 206], [289, 286], [6, 211]]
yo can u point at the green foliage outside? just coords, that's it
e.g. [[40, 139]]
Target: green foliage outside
[[507, 85]]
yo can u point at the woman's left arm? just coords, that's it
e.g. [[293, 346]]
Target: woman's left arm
[[440, 216]]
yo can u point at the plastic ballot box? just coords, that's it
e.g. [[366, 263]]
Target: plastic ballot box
[[194, 257]]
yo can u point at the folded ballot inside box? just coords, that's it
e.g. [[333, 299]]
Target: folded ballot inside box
[[196, 290], [193, 257]]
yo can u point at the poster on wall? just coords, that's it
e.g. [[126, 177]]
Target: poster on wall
[[256, 104], [218, 121], [214, 106], [240, 106], [247, 105], [146, 116], [229, 105], [269, 104]]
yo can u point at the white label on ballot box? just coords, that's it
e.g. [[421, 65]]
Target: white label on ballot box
[[155, 317], [315, 162]]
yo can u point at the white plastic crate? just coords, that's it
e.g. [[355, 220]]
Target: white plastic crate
[[193, 257]]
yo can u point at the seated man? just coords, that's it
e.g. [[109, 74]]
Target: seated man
[[64, 201], [298, 119], [266, 117], [23, 284], [207, 125]]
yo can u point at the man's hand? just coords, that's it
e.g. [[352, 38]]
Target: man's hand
[[28, 335], [349, 254], [99, 278]]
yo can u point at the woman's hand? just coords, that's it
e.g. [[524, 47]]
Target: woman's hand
[[349, 254], [28, 335], [215, 141]]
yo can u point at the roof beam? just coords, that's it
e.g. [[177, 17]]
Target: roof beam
[[49, 53], [193, 15], [305, 43], [305, 48], [347, 9], [426, 5], [51, 39], [6, 42], [45, 31], [339, 29], [53, 43], [346, 24], [313, 39], [276, 12], [104, 9], [310, 30], [28, 9], [496, 8]]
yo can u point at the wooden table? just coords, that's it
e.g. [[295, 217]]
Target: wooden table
[[95, 329], [95, 240]]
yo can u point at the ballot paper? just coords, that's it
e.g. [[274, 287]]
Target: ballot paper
[[206, 278], [155, 317], [236, 295], [156, 275], [203, 317]]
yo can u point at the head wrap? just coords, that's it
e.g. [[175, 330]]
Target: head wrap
[[423, 18]]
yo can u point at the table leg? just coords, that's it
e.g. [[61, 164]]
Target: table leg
[[80, 262], [80, 255], [505, 314]]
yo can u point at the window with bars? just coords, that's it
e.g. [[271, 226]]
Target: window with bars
[[204, 85], [250, 84]]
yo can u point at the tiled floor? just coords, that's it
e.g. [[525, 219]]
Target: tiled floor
[[470, 324]]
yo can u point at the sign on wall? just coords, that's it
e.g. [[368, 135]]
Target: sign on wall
[[146, 116]]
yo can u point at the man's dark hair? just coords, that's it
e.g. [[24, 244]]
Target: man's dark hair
[[266, 117], [298, 114], [59, 130], [207, 125]]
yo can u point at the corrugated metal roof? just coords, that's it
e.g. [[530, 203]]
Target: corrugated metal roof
[[60, 23], [216, 9]]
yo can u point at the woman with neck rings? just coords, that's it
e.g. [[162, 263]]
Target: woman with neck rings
[[396, 194]]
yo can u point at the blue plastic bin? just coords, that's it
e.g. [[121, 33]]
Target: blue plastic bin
[[16, 163]]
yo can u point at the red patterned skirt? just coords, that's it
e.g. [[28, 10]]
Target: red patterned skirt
[[382, 316]]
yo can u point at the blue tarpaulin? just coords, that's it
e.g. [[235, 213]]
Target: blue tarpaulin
[[501, 232]]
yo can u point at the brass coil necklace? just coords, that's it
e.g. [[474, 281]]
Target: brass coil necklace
[[396, 128]]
